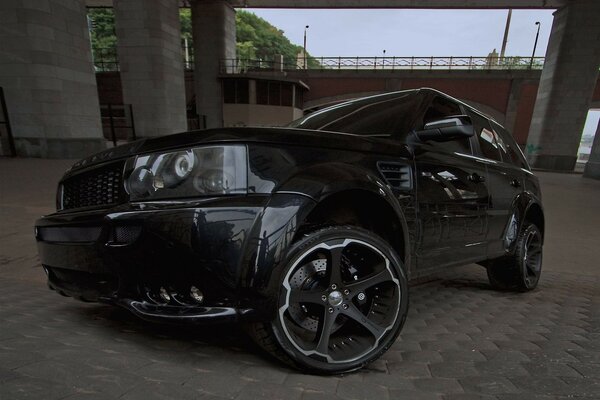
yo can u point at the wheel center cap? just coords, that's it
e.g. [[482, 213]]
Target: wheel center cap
[[335, 298]]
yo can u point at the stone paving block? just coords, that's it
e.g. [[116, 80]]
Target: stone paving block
[[490, 385], [409, 369], [315, 383], [501, 368], [462, 355], [34, 388], [453, 369], [362, 391], [439, 385], [550, 369], [414, 395], [260, 390]]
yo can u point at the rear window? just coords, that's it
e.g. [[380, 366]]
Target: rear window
[[382, 114], [511, 153]]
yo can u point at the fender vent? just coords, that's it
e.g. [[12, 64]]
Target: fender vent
[[397, 175]]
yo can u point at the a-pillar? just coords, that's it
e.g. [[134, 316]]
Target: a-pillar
[[592, 168], [151, 64], [48, 78], [214, 31], [566, 86]]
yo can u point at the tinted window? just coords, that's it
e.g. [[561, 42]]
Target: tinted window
[[383, 114], [441, 108], [509, 148], [486, 137]]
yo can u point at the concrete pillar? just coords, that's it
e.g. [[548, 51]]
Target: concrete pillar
[[213, 25], [592, 168], [566, 86], [48, 78], [151, 64]]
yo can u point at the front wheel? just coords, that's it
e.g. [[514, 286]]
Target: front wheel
[[342, 302], [522, 270]]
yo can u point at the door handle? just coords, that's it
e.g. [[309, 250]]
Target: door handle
[[515, 182], [476, 178]]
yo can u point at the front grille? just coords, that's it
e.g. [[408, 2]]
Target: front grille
[[101, 186]]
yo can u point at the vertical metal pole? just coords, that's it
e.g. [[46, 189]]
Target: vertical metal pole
[[305, 55], [537, 35], [112, 125], [11, 142], [505, 40], [393, 62]]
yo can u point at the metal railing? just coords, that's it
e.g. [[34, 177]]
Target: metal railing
[[117, 122], [237, 66], [105, 59]]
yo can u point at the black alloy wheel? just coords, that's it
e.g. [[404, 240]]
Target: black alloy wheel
[[522, 270], [343, 301]]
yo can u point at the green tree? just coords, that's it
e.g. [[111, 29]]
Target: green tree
[[103, 37], [257, 39]]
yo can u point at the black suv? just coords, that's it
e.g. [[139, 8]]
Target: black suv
[[306, 234]]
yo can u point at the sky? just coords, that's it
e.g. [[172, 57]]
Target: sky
[[403, 32]]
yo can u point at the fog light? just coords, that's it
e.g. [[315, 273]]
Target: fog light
[[196, 294], [164, 294]]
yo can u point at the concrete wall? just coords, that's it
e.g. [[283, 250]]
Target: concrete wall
[[151, 64], [214, 31], [566, 86], [48, 78]]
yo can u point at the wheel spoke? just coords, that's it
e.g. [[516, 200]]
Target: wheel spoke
[[324, 331], [534, 251], [370, 281], [306, 296], [354, 313], [334, 266]]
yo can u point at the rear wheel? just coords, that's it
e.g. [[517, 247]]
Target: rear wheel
[[522, 270], [343, 300]]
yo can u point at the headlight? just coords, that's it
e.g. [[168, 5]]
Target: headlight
[[202, 171]]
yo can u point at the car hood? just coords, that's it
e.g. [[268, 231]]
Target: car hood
[[382, 144]]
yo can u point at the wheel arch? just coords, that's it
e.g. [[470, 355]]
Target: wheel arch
[[300, 203], [347, 207], [534, 213]]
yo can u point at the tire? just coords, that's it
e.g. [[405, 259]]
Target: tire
[[522, 270], [342, 302]]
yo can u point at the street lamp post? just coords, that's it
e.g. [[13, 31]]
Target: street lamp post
[[305, 56], [537, 35]]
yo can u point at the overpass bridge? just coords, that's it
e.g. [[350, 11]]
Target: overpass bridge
[[49, 83]]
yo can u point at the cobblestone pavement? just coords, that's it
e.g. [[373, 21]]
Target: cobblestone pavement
[[461, 341]]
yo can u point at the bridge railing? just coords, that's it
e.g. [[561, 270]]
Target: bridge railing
[[237, 66]]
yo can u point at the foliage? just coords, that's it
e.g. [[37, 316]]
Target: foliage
[[256, 38]]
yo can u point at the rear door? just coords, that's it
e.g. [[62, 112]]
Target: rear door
[[505, 181], [452, 196]]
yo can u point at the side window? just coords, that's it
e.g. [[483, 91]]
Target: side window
[[486, 137], [510, 150], [441, 108]]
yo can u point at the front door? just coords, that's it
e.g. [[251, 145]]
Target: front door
[[452, 197]]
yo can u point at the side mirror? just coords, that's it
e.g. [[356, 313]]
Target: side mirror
[[449, 128]]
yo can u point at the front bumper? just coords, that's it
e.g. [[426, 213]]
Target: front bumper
[[126, 255]]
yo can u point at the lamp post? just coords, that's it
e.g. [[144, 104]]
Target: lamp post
[[305, 56], [537, 35]]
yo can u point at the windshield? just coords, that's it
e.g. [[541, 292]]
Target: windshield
[[376, 115]]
